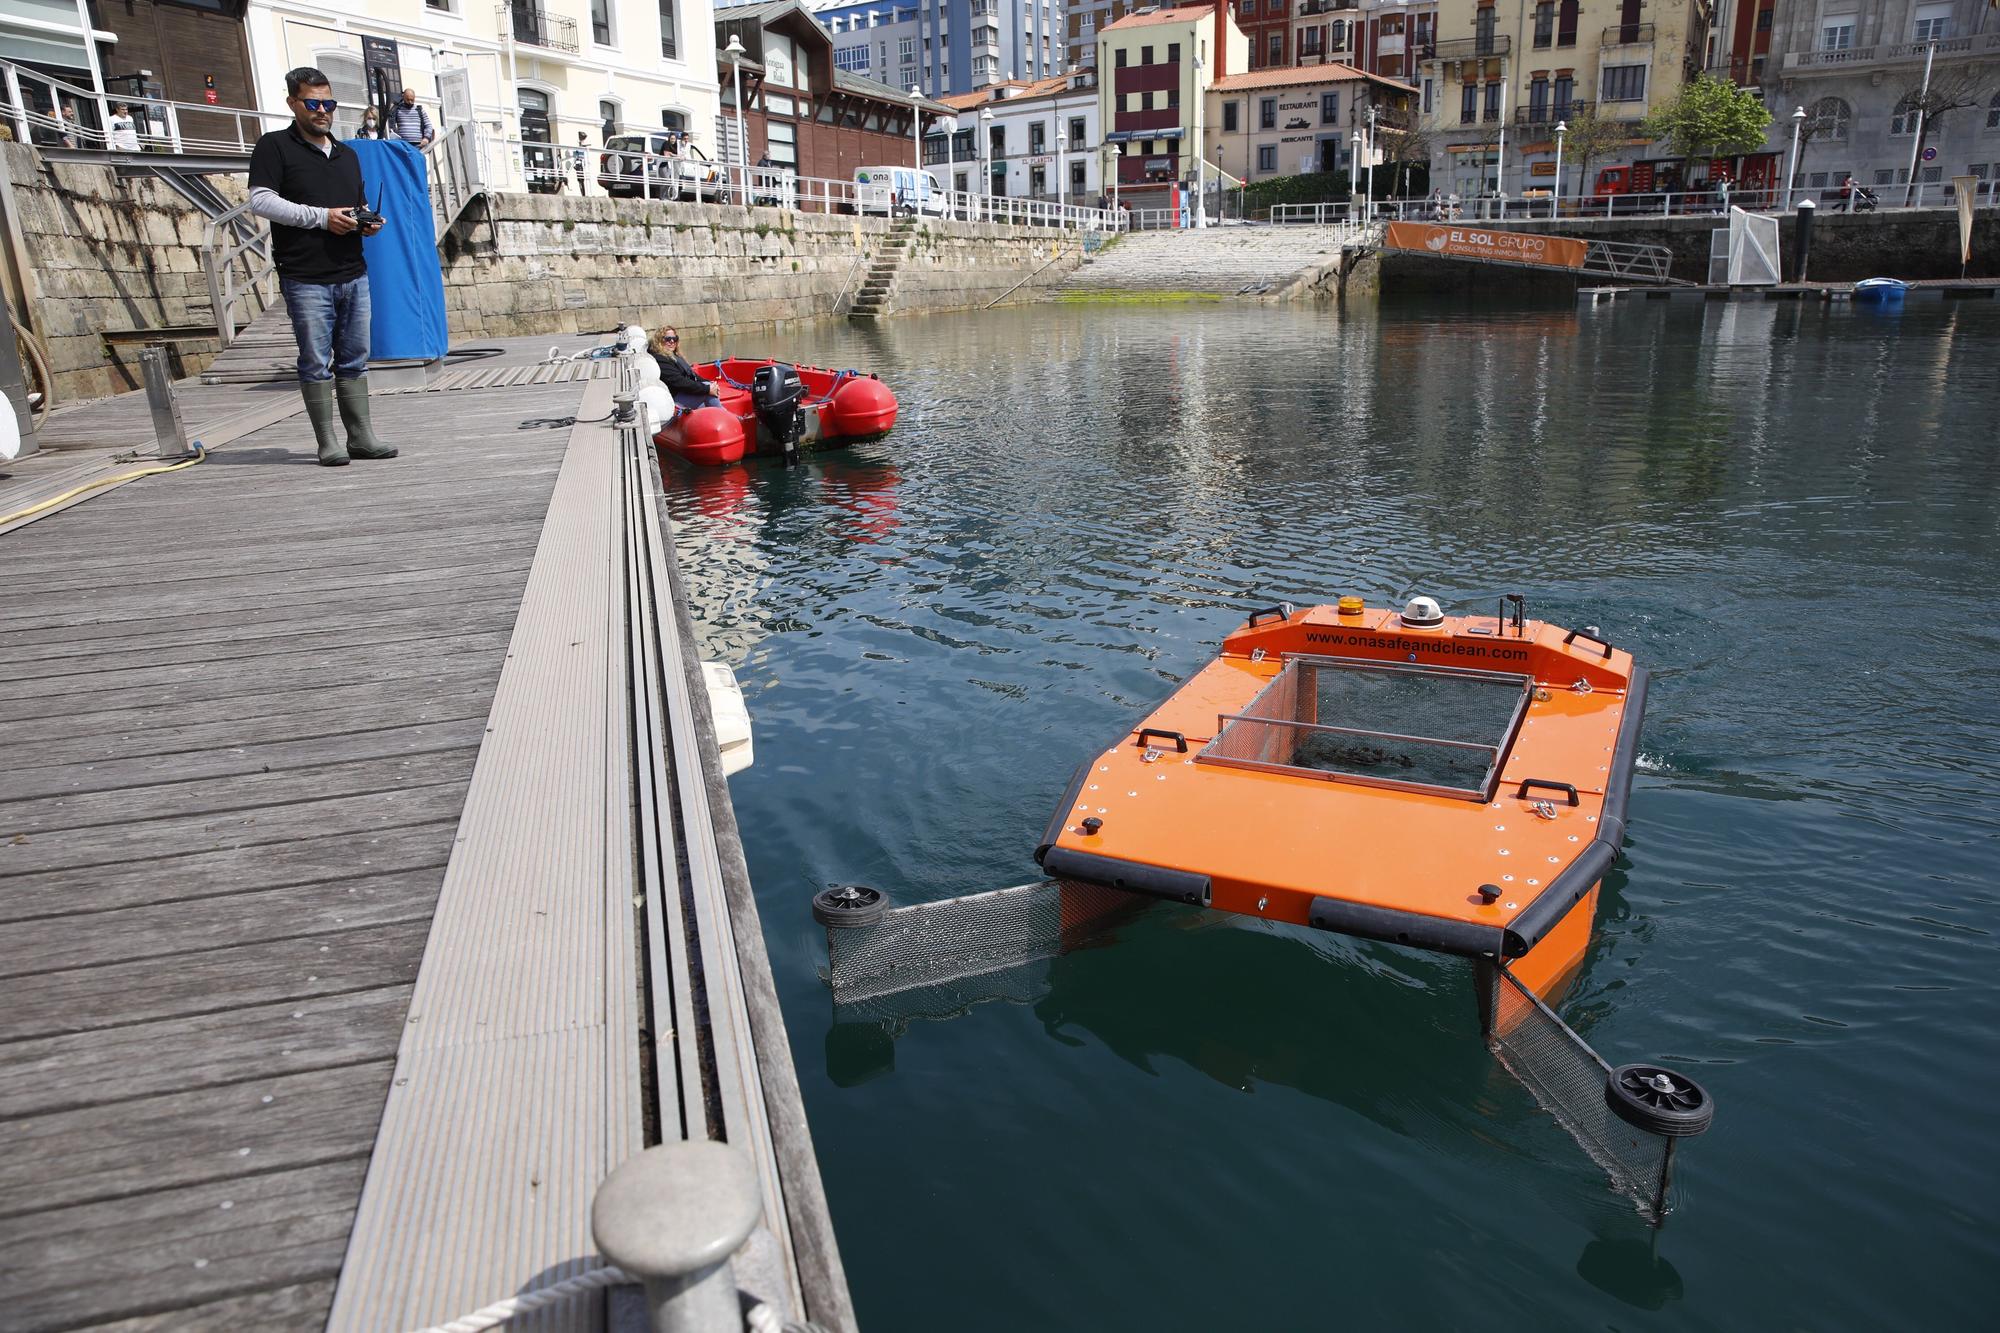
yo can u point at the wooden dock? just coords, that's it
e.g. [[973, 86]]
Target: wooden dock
[[244, 706]]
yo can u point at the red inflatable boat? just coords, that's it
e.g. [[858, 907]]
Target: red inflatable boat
[[770, 407]]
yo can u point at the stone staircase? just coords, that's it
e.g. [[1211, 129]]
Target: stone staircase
[[1251, 260], [879, 287]]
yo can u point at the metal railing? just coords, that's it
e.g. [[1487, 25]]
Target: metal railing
[[1474, 48], [535, 26], [1549, 113], [667, 177], [35, 103], [237, 257], [1895, 53]]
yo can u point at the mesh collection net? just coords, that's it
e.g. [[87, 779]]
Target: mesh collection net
[[1567, 1078], [1422, 727], [936, 959]]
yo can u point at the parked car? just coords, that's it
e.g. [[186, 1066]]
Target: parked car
[[660, 165], [899, 190]]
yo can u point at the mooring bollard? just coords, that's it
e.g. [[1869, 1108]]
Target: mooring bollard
[[1802, 238], [671, 1217]]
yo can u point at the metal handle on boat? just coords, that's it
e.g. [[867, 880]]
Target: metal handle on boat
[[1276, 612], [1576, 634], [1562, 787], [1180, 741]]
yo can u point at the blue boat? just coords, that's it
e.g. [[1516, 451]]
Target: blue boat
[[1883, 291]]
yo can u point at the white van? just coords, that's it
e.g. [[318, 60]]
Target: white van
[[898, 190]]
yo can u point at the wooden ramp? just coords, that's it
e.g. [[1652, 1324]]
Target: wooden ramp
[[263, 351]]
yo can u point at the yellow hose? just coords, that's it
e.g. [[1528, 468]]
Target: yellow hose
[[32, 510]]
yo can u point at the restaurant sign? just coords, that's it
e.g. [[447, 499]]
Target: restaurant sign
[[1507, 247]]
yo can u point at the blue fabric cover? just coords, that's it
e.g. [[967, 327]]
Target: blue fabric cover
[[405, 281]]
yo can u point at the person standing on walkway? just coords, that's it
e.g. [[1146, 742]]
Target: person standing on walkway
[[582, 162], [308, 185], [124, 130], [410, 122]]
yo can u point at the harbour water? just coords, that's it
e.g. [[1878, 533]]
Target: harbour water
[[1791, 513]]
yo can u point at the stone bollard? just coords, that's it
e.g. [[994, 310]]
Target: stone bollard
[[671, 1217]]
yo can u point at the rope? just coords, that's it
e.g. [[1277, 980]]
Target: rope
[[32, 510], [501, 1312]]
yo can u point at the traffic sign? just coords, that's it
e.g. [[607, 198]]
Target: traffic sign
[[1930, 154]]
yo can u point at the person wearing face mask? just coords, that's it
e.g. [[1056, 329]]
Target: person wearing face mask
[[371, 125], [308, 185]]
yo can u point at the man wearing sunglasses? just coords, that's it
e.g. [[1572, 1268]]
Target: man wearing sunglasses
[[309, 186]]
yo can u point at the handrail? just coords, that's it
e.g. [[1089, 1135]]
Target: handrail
[[1059, 253], [852, 269], [220, 259]]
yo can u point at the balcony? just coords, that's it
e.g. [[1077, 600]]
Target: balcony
[[1474, 48], [535, 26], [1627, 34], [1550, 113], [1309, 7], [1389, 44], [1896, 53]]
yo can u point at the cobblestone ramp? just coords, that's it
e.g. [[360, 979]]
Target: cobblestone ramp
[[1224, 261]]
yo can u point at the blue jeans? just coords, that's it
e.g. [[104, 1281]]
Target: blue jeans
[[691, 401], [330, 320]]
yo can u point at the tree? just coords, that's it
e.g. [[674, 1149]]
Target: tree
[[1708, 117], [1589, 137], [1408, 151], [1932, 102]]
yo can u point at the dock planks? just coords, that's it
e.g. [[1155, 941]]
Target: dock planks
[[243, 703]]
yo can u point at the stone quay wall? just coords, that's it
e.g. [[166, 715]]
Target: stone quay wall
[[562, 264], [103, 255]]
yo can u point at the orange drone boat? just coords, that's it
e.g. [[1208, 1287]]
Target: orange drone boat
[[1454, 783]]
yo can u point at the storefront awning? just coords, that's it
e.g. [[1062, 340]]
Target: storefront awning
[[1132, 136]]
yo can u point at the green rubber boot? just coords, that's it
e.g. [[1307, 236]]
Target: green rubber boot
[[361, 442], [319, 409]]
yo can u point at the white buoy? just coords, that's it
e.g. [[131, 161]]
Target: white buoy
[[10, 431]]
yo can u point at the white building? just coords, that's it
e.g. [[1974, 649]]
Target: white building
[[545, 71], [1022, 138]]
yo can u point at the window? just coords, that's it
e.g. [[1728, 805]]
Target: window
[[1173, 53], [1482, 32], [1828, 120], [1493, 101], [906, 50], [1565, 87], [676, 121], [1145, 55], [1545, 23], [1903, 120], [1623, 83], [1428, 85], [1538, 100], [1468, 104], [1120, 62], [1338, 32], [607, 116], [1763, 20], [1229, 115], [781, 143], [1173, 97], [1267, 157], [1932, 23], [1817, 181], [1308, 42], [1146, 100], [1836, 32], [1885, 177], [1078, 180], [1566, 23], [1267, 113], [1993, 113], [1076, 136], [1038, 181], [600, 22], [1329, 108], [854, 58], [1038, 137], [670, 41], [1277, 48], [1932, 176]]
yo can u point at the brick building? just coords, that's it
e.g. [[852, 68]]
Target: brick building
[[799, 111]]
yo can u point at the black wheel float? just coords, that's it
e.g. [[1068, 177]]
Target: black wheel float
[[1658, 1100], [841, 906]]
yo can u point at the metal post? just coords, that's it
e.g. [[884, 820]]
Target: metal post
[[1500, 157], [1918, 142], [168, 430], [1792, 169], [20, 106], [1200, 152], [1555, 209], [1802, 237], [671, 1217]]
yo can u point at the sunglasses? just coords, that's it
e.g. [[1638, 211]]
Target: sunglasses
[[671, 338], [320, 103]]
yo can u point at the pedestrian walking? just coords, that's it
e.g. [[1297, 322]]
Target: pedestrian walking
[[308, 185], [371, 125], [124, 130], [410, 122], [582, 155]]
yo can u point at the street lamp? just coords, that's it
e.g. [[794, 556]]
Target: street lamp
[[986, 159], [1371, 159], [916, 130], [734, 53], [1062, 142], [1354, 170], [1200, 152], [1792, 169], [950, 127], [1562, 128]]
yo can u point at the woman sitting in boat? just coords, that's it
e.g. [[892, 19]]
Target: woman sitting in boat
[[689, 390]]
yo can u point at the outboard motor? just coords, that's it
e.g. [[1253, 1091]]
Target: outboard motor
[[778, 395]]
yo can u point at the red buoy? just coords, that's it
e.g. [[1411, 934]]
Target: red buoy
[[862, 409], [707, 437]]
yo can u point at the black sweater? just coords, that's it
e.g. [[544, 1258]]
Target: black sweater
[[678, 375]]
